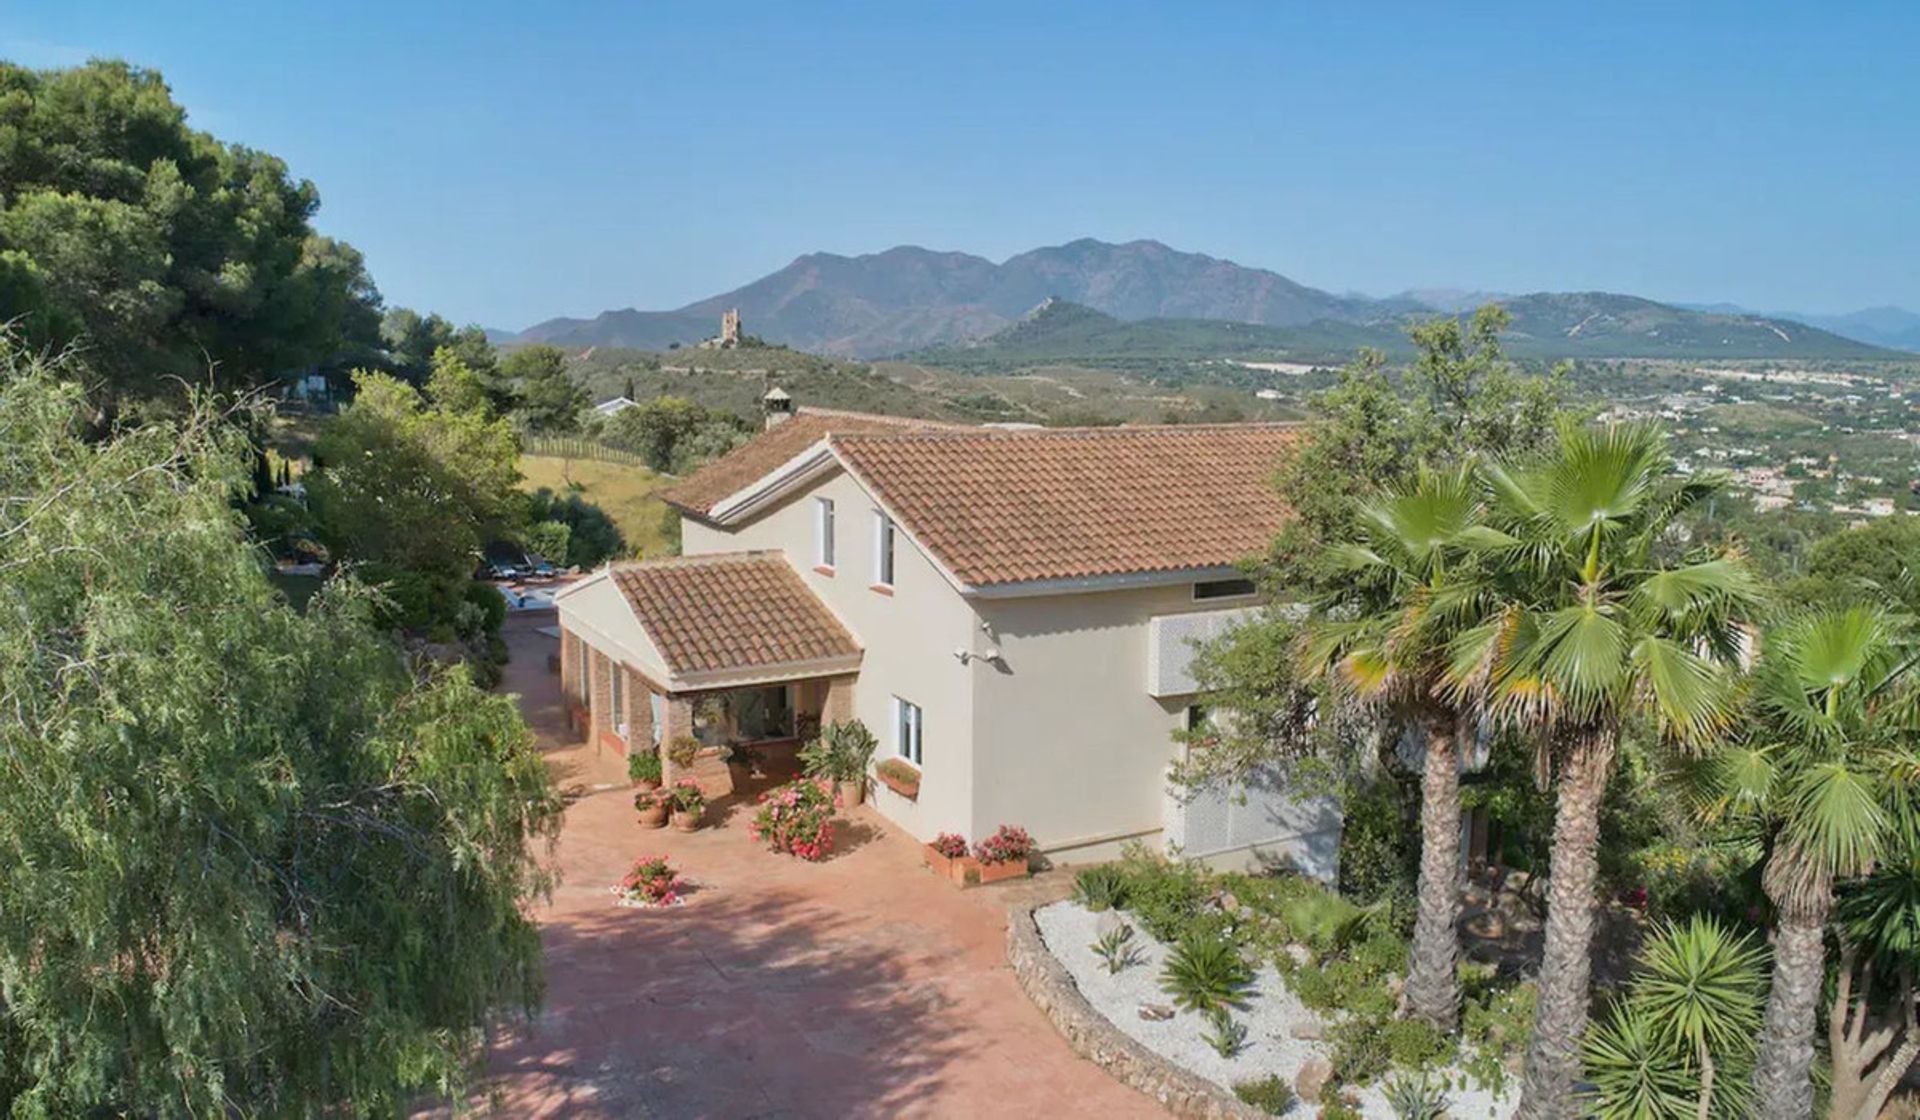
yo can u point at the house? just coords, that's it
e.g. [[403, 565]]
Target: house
[[614, 407], [1011, 612]]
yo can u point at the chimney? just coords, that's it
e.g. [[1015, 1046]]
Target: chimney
[[777, 407]]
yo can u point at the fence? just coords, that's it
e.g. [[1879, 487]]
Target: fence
[[563, 447]]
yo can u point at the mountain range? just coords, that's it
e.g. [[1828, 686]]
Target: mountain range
[[911, 299]]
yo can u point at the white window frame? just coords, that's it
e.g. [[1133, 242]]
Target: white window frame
[[883, 549], [909, 731], [823, 543]]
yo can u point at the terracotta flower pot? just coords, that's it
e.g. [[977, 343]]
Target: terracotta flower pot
[[645, 785], [685, 820], [995, 872], [849, 794], [947, 867], [653, 816]]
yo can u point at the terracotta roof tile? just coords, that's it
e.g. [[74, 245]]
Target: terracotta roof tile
[[748, 463], [1000, 506], [731, 611]]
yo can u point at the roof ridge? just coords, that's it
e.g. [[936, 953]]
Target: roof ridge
[[1250, 427], [698, 560], [882, 417]]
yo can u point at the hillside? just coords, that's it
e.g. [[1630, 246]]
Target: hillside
[[909, 300]]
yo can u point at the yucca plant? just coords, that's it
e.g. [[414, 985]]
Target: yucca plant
[[1116, 949], [1226, 1036], [1100, 888], [1417, 1097], [1691, 1011], [1595, 630], [1205, 972]]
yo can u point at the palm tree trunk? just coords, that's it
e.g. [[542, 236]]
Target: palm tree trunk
[[1783, 1068], [1433, 976], [1566, 968]]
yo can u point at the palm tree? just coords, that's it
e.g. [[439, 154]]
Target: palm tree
[[1596, 629], [1828, 774], [1381, 636]]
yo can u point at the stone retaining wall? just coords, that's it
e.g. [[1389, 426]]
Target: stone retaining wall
[[1052, 990]]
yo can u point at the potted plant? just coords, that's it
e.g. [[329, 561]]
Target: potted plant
[[1003, 855], [796, 818], [643, 769], [653, 882], [946, 856], [900, 777], [651, 804], [682, 751], [688, 803], [840, 755]]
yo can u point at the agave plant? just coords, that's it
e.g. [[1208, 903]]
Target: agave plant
[[1205, 972], [1100, 888], [1226, 1036], [1417, 1097]]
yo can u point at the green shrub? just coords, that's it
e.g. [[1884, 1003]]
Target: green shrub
[[1100, 888], [1365, 1047], [1203, 973], [1379, 841], [1166, 895], [1495, 1026], [1270, 1094]]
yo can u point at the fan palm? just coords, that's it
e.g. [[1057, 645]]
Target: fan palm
[[1382, 638], [1595, 629], [1828, 773]]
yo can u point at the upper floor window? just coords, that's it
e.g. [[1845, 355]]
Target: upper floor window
[[882, 549], [1223, 589], [823, 532]]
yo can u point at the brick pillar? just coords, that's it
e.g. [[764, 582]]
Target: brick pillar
[[571, 686], [639, 715], [677, 724], [601, 702], [838, 706]]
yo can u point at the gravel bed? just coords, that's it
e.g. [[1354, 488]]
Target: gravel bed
[[1271, 1014]]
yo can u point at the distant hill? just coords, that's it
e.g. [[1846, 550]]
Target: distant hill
[[1547, 325], [909, 299], [1893, 327]]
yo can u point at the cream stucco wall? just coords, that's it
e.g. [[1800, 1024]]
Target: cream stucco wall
[[1066, 739], [909, 638]]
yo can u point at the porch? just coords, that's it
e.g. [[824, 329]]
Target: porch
[[724, 664]]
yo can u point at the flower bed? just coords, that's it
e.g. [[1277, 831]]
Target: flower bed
[[652, 884], [796, 818]]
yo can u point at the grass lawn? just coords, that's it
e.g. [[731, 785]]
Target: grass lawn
[[625, 493]]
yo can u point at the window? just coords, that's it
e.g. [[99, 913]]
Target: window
[[616, 695], [882, 549], [1223, 589], [823, 532], [1199, 718], [906, 730]]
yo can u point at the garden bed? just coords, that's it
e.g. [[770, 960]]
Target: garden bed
[[1273, 1016]]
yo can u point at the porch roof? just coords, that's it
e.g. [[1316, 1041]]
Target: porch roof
[[734, 616]]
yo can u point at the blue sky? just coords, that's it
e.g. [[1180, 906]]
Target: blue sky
[[506, 162]]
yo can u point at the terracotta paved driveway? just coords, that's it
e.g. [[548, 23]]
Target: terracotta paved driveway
[[857, 987]]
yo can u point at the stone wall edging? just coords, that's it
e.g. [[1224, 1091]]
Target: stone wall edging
[[1052, 989]]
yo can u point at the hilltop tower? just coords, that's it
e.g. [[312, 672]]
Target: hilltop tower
[[730, 328]]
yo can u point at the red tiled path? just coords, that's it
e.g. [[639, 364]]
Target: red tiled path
[[857, 987]]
